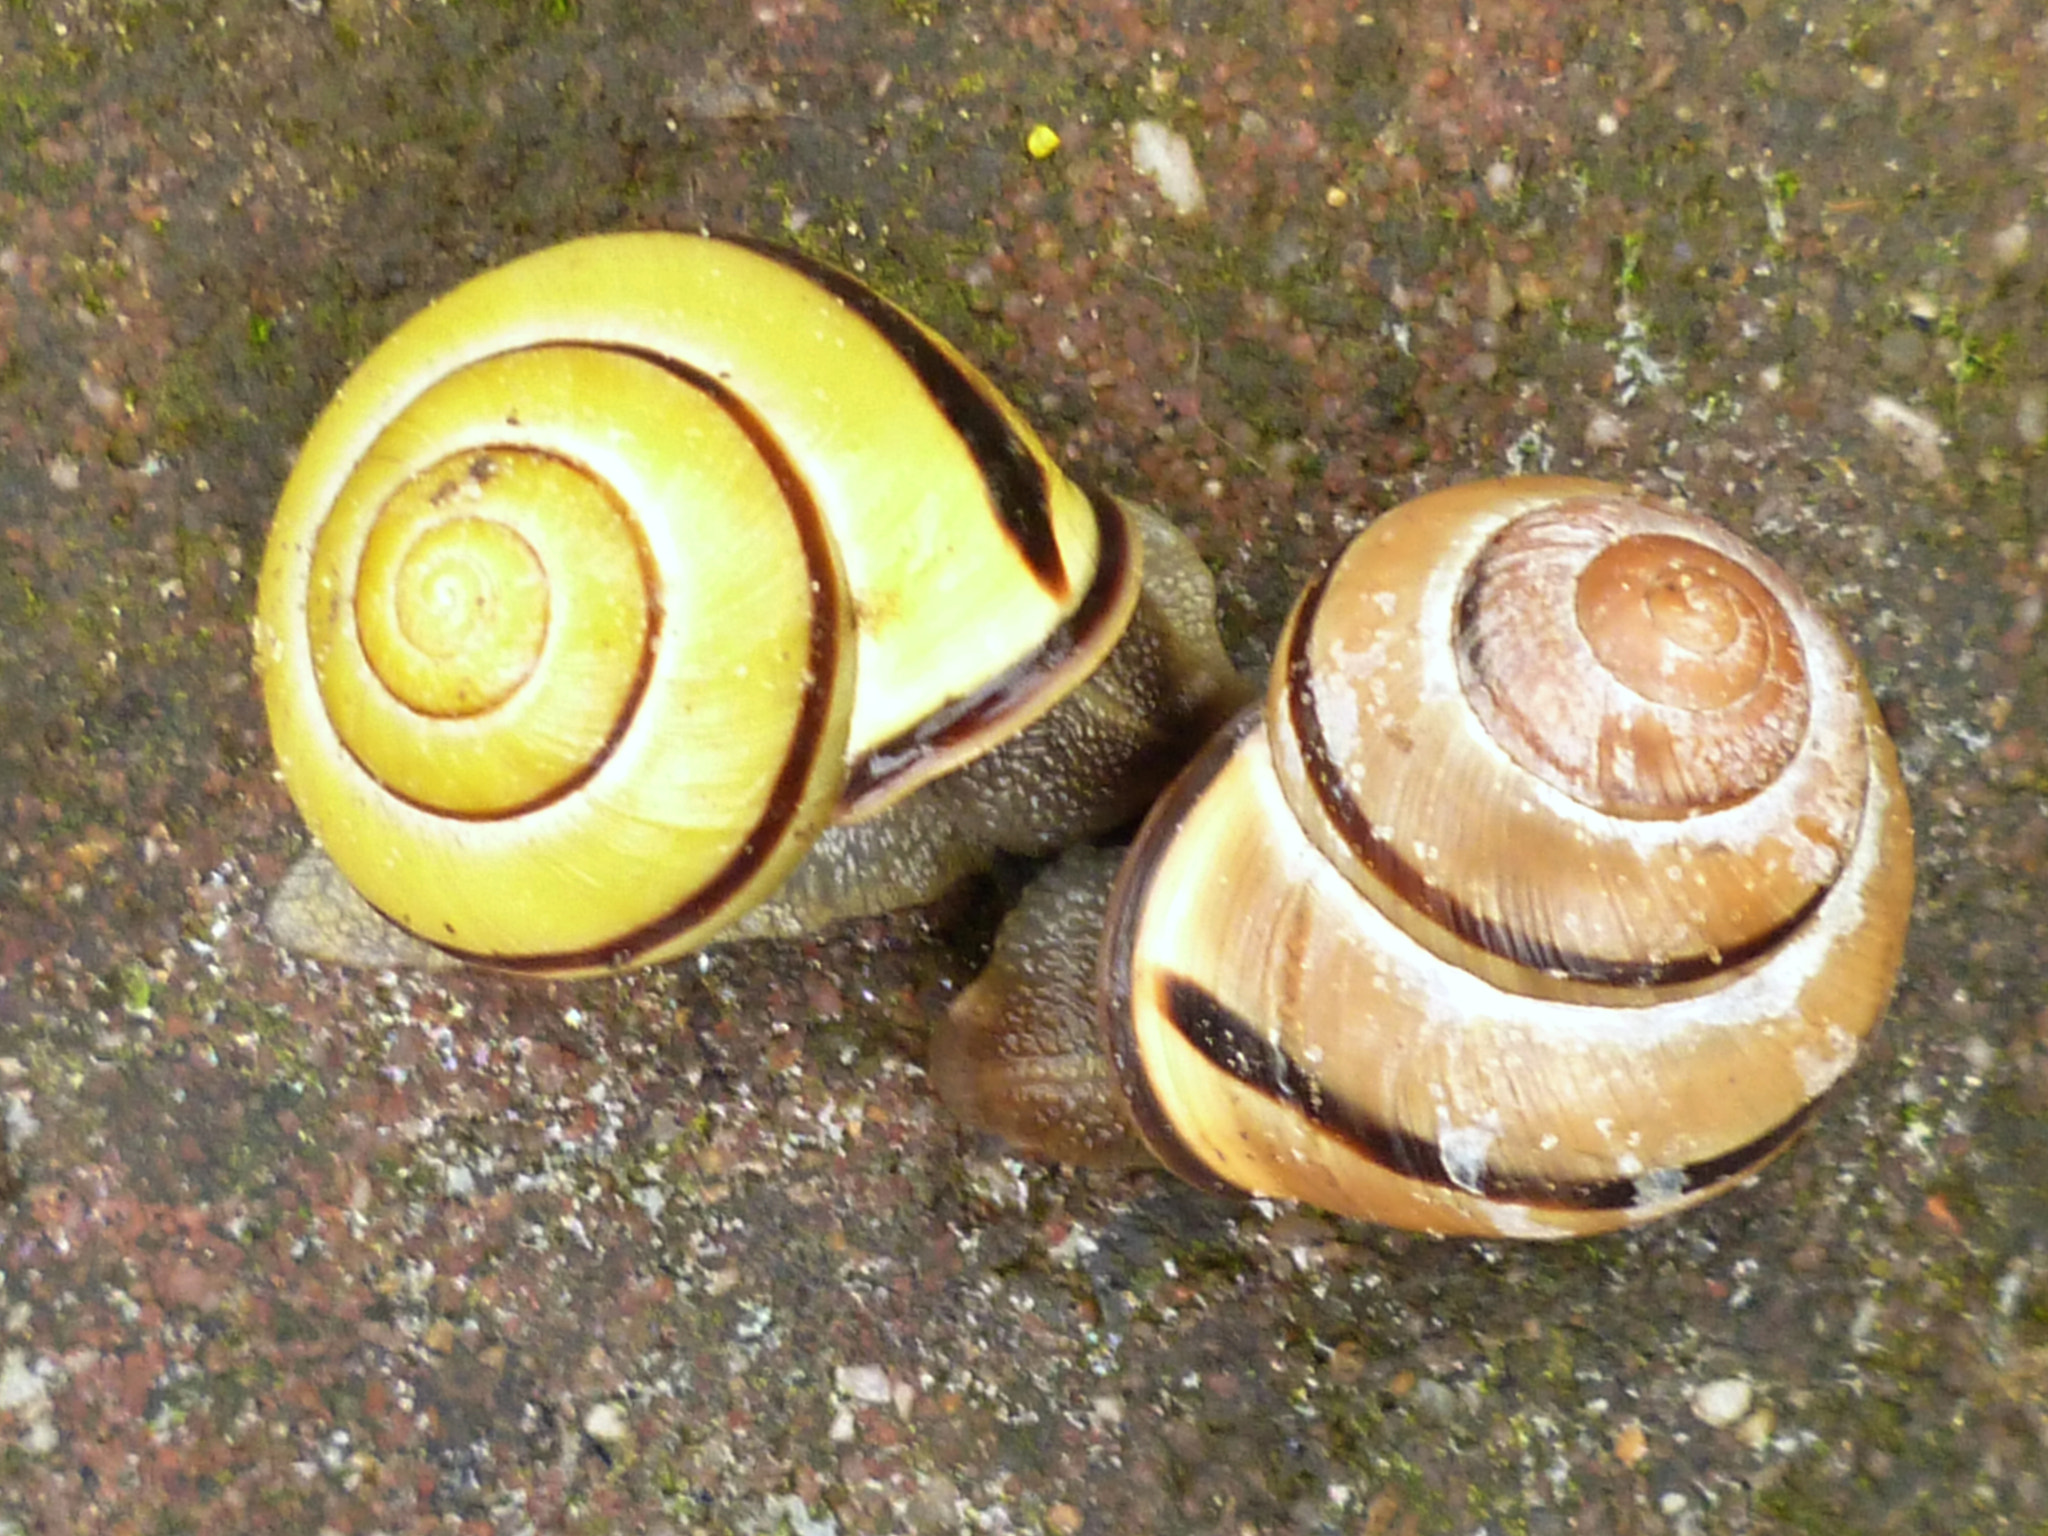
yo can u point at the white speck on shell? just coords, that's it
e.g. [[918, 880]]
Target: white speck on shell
[[1658, 1187], [1466, 1149], [1819, 1069], [1523, 1223]]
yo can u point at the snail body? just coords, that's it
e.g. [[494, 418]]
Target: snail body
[[1563, 870], [632, 575]]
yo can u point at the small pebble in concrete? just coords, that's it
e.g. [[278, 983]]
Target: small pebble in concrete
[[1160, 153], [1721, 1403], [606, 1424], [863, 1383]]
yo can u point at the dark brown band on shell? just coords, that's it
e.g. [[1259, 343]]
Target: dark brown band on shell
[[1235, 1046], [1019, 488], [969, 715], [787, 794], [1407, 883], [1114, 987]]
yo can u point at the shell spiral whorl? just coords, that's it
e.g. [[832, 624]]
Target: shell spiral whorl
[[1507, 712], [1563, 872], [1641, 670], [618, 575]]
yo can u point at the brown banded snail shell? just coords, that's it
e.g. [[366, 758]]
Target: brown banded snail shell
[[653, 588], [1563, 871]]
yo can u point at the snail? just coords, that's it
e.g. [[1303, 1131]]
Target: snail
[[655, 588], [1562, 871]]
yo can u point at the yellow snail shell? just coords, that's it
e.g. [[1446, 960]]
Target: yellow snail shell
[[1564, 870], [620, 576]]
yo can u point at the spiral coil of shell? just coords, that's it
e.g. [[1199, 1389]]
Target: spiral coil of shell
[[620, 576], [1560, 876]]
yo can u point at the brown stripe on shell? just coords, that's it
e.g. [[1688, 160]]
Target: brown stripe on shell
[[1114, 984], [1019, 487], [945, 727], [787, 793], [1408, 884], [1236, 1047]]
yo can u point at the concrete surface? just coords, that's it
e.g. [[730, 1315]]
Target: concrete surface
[[293, 1250]]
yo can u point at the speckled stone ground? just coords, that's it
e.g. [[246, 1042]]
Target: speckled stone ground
[[293, 1250]]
